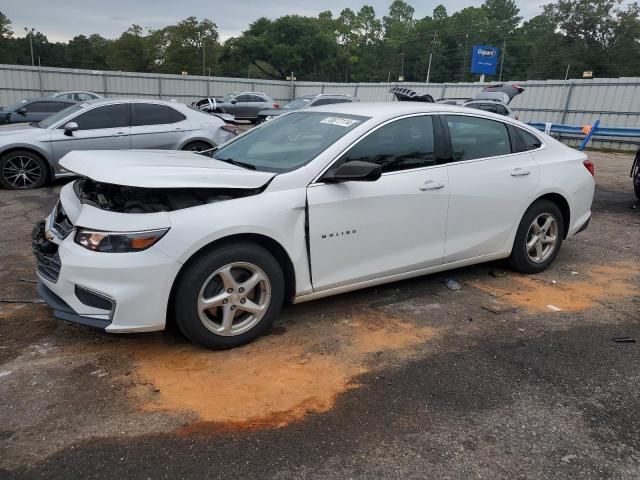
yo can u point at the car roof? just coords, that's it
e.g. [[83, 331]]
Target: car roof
[[382, 111], [99, 101]]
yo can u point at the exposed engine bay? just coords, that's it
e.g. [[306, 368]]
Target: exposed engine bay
[[126, 199]]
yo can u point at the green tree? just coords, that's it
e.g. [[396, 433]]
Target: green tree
[[87, 52], [131, 51], [181, 47]]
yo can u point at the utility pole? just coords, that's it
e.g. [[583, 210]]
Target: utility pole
[[433, 46], [504, 52], [30, 35], [402, 65], [204, 70]]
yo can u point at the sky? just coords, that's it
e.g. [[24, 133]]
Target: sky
[[61, 21]]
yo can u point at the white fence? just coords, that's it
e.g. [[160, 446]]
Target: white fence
[[616, 102]]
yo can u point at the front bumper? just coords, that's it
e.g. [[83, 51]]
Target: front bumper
[[64, 312], [115, 292]]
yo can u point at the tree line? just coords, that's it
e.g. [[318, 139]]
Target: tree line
[[567, 38]]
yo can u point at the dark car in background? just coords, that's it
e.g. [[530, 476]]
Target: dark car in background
[[305, 102], [245, 105], [33, 109]]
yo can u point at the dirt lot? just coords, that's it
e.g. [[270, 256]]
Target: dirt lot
[[409, 380]]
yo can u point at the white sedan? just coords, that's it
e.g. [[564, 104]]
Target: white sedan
[[312, 204]]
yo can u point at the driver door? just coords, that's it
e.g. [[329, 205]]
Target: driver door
[[106, 127], [361, 231]]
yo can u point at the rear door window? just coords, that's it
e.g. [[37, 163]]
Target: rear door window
[[474, 137], [154, 114]]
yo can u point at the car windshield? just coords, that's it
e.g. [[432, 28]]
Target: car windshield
[[56, 117], [227, 97], [289, 142], [298, 103]]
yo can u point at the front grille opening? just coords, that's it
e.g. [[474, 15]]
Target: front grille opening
[[46, 253], [61, 223], [92, 299]]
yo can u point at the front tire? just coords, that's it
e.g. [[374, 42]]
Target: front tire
[[229, 296], [538, 239], [22, 170]]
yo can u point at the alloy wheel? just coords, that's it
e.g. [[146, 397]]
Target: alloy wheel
[[234, 299], [542, 238], [21, 172]]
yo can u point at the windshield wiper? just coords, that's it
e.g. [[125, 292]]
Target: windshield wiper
[[248, 166]]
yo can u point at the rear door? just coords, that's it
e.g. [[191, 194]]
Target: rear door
[[105, 127], [255, 104], [361, 231], [491, 183], [157, 126]]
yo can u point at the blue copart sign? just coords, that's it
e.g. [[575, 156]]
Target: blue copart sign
[[484, 59]]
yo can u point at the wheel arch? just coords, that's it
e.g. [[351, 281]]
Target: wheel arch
[[197, 139], [271, 245], [35, 151], [564, 207]]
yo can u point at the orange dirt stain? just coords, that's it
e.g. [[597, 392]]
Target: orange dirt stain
[[603, 284], [273, 381]]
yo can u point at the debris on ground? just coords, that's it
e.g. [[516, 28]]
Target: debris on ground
[[554, 308], [623, 340], [568, 458], [497, 273], [6, 373], [452, 285], [497, 308], [575, 274]]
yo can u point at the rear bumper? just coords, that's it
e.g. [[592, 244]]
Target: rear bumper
[[63, 311]]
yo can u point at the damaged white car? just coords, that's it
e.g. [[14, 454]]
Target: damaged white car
[[312, 204]]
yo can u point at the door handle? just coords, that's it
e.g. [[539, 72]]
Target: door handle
[[431, 185], [519, 172], [117, 134]]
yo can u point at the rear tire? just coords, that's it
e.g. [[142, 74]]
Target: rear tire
[[23, 170], [229, 296], [197, 146], [636, 185], [538, 239]]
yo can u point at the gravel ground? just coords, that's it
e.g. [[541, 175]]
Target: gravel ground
[[408, 380]]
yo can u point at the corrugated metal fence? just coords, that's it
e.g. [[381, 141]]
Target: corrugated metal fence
[[616, 102]]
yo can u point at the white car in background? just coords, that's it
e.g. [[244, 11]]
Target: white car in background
[[314, 203]]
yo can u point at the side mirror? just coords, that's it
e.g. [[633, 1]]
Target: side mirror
[[355, 171], [22, 111], [69, 128], [233, 102]]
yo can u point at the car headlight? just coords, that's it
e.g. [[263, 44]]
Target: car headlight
[[117, 242]]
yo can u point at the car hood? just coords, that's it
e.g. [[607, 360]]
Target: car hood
[[161, 169], [14, 128]]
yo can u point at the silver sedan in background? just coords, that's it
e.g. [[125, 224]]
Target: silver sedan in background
[[29, 152]]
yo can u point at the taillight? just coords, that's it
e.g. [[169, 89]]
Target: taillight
[[230, 128], [276, 105], [588, 164]]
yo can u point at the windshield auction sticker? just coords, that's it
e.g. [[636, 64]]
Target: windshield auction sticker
[[338, 121]]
